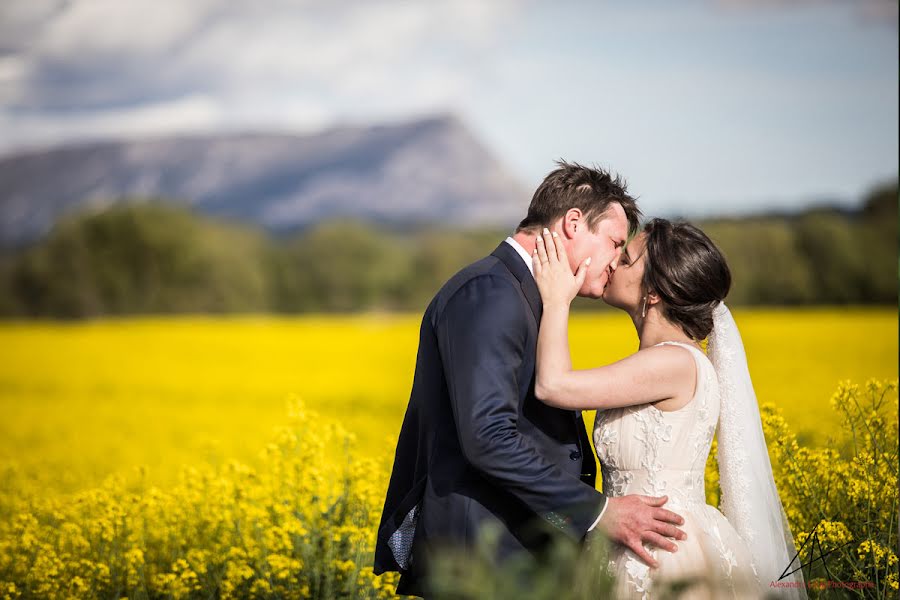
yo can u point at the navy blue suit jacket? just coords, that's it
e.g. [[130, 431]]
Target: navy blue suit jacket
[[476, 446]]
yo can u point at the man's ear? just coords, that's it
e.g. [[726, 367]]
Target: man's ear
[[572, 222]]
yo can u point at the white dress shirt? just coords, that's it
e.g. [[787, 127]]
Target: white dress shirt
[[518, 248]]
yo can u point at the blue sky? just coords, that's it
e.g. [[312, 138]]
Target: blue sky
[[715, 107]]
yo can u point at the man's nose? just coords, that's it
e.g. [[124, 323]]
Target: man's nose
[[615, 261]]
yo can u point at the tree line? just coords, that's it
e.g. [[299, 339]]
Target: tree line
[[156, 257]]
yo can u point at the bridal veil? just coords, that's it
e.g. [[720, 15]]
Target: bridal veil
[[750, 499]]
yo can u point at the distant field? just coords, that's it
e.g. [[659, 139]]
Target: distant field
[[81, 401]]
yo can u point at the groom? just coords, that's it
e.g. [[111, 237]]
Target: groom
[[476, 447]]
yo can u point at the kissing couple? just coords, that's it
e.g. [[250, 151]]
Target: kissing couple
[[493, 432]]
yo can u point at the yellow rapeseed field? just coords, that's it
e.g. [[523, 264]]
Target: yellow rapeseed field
[[80, 401], [174, 456]]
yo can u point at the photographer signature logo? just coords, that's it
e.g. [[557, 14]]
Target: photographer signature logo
[[815, 554], [812, 540]]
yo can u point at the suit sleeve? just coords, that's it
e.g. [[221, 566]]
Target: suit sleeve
[[482, 334]]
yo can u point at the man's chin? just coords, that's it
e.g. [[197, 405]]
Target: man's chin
[[592, 294]]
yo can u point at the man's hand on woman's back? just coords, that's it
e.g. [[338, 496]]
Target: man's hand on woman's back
[[634, 519]]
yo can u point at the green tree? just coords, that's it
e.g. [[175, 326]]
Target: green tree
[[343, 266], [767, 266], [878, 243], [141, 257], [836, 262]]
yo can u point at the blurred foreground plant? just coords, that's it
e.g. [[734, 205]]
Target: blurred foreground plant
[[565, 571]]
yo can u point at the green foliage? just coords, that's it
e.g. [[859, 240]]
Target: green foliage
[[767, 265], [158, 257], [139, 257], [564, 572], [836, 266], [878, 241], [339, 266]]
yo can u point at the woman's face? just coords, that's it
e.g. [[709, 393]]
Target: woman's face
[[624, 287]]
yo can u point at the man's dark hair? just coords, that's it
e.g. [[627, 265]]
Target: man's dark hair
[[570, 185]]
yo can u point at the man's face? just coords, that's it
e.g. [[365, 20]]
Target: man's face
[[604, 246]]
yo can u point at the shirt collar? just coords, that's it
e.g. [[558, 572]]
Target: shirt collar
[[522, 252]]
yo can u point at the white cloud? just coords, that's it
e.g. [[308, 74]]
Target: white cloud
[[88, 63], [191, 113]]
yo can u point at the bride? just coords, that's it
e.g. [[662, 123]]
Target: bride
[[658, 409]]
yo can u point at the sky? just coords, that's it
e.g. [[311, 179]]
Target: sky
[[713, 107]]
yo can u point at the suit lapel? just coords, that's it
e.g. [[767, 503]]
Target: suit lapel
[[513, 261]]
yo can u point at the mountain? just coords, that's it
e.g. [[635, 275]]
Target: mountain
[[426, 171]]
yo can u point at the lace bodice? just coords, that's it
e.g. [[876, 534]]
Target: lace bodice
[[644, 450], [647, 451]]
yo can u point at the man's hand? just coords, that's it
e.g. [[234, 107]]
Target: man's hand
[[631, 520]]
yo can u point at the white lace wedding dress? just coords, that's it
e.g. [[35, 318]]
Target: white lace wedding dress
[[644, 450]]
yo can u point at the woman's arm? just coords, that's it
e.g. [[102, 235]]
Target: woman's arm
[[649, 375]]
